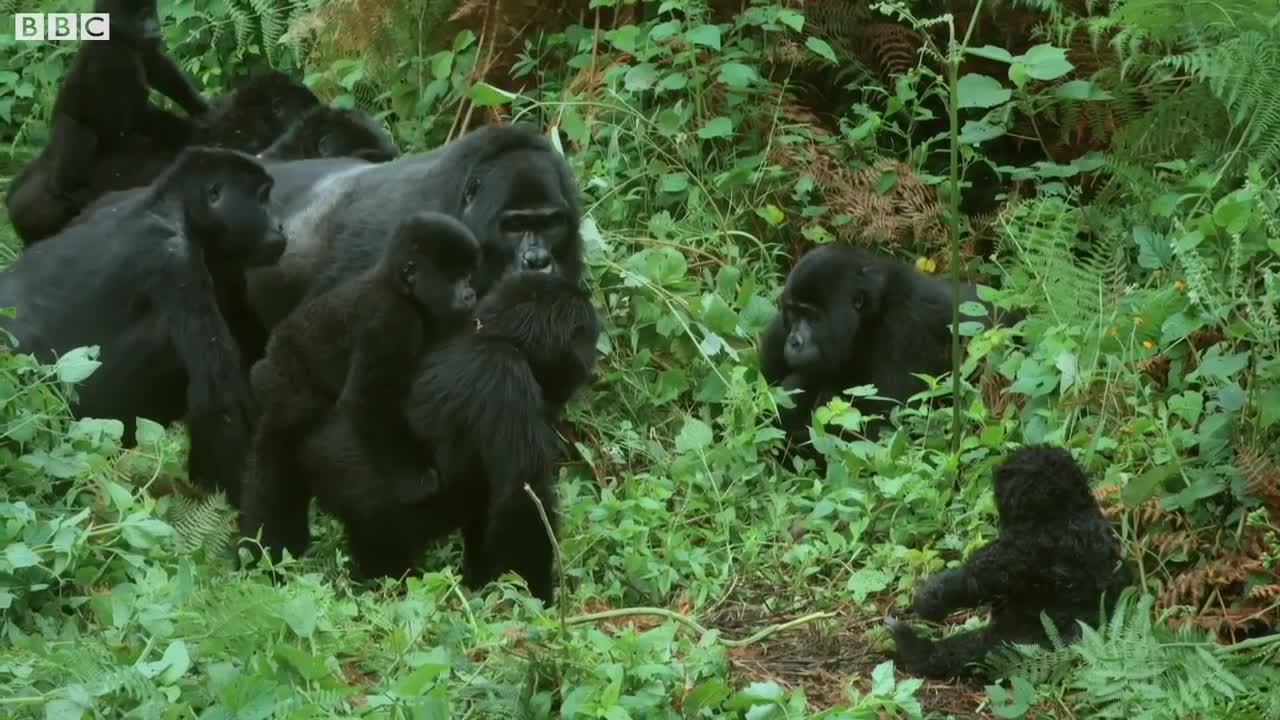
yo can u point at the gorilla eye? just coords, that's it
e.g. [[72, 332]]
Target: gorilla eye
[[469, 193], [264, 194]]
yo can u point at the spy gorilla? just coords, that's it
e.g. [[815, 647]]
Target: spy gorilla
[[327, 132], [1056, 553], [481, 412], [850, 318], [507, 184], [102, 105], [352, 351], [146, 283]]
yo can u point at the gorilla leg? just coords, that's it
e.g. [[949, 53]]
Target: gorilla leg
[[949, 657], [516, 539]]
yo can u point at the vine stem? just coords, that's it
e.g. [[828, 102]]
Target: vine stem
[[555, 547], [695, 626], [954, 55]]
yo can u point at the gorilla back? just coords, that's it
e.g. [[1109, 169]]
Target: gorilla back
[[507, 184], [142, 283]]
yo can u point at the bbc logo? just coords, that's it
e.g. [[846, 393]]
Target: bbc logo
[[62, 26]]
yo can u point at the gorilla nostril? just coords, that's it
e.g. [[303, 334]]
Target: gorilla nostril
[[538, 261]]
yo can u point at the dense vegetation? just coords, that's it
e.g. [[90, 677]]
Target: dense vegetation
[[1137, 215]]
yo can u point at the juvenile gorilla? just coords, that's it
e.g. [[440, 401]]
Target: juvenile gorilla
[[484, 405], [505, 183], [1055, 553], [352, 351], [250, 118], [481, 410], [327, 132], [144, 284], [102, 105], [849, 318]]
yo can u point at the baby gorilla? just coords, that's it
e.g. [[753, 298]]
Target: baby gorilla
[[481, 409], [326, 132], [1055, 553], [352, 350]]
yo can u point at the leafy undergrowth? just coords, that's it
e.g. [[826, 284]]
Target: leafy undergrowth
[[704, 578]]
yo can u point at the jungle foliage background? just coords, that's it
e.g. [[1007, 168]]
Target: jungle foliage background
[[1121, 164]]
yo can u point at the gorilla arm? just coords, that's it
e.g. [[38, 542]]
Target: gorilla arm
[[163, 75], [985, 576], [219, 402]]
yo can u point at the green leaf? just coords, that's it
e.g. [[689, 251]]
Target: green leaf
[[791, 19], [641, 77], [1215, 365], [20, 556], [300, 614], [822, 49], [718, 127], [674, 182], [664, 30], [771, 214], [1046, 62], [981, 91], [78, 364], [704, 35], [882, 680], [64, 710], [1082, 90], [975, 132], [486, 95], [737, 75], [991, 52], [310, 668], [695, 435], [708, 695], [866, 581], [1142, 488], [1270, 406], [149, 432]]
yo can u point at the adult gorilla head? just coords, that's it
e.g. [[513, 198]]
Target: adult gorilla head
[[519, 198], [507, 184]]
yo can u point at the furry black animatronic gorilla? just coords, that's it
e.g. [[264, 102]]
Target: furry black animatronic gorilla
[[481, 410], [145, 283], [1056, 553], [327, 132], [851, 318], [102, 105], [352, 351], [507, 184]]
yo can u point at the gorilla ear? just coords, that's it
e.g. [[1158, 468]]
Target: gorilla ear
[[327, 145], [213, 191], [408, 274]]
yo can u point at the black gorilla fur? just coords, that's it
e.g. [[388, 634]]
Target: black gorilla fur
[[481, 410], [506, 183], [326, 132], [483, 407], [257, 113], [353, 352], [249, 119], [101, 106], [146, 282], [1056, 553], [848, 318]]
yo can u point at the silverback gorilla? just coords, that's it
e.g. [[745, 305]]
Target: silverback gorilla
[[507, 184], [145, 283]]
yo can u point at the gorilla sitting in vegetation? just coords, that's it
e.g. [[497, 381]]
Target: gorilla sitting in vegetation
[[1056, 553]]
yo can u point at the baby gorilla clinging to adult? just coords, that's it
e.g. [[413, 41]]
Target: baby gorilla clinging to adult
[[1055, 553], [353, 351], [483, 406]]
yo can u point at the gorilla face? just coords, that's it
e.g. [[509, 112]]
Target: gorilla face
[[229, 206], [523, 206]]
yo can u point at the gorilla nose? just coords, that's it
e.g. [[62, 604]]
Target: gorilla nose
[[537, 261], [794, 343]]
